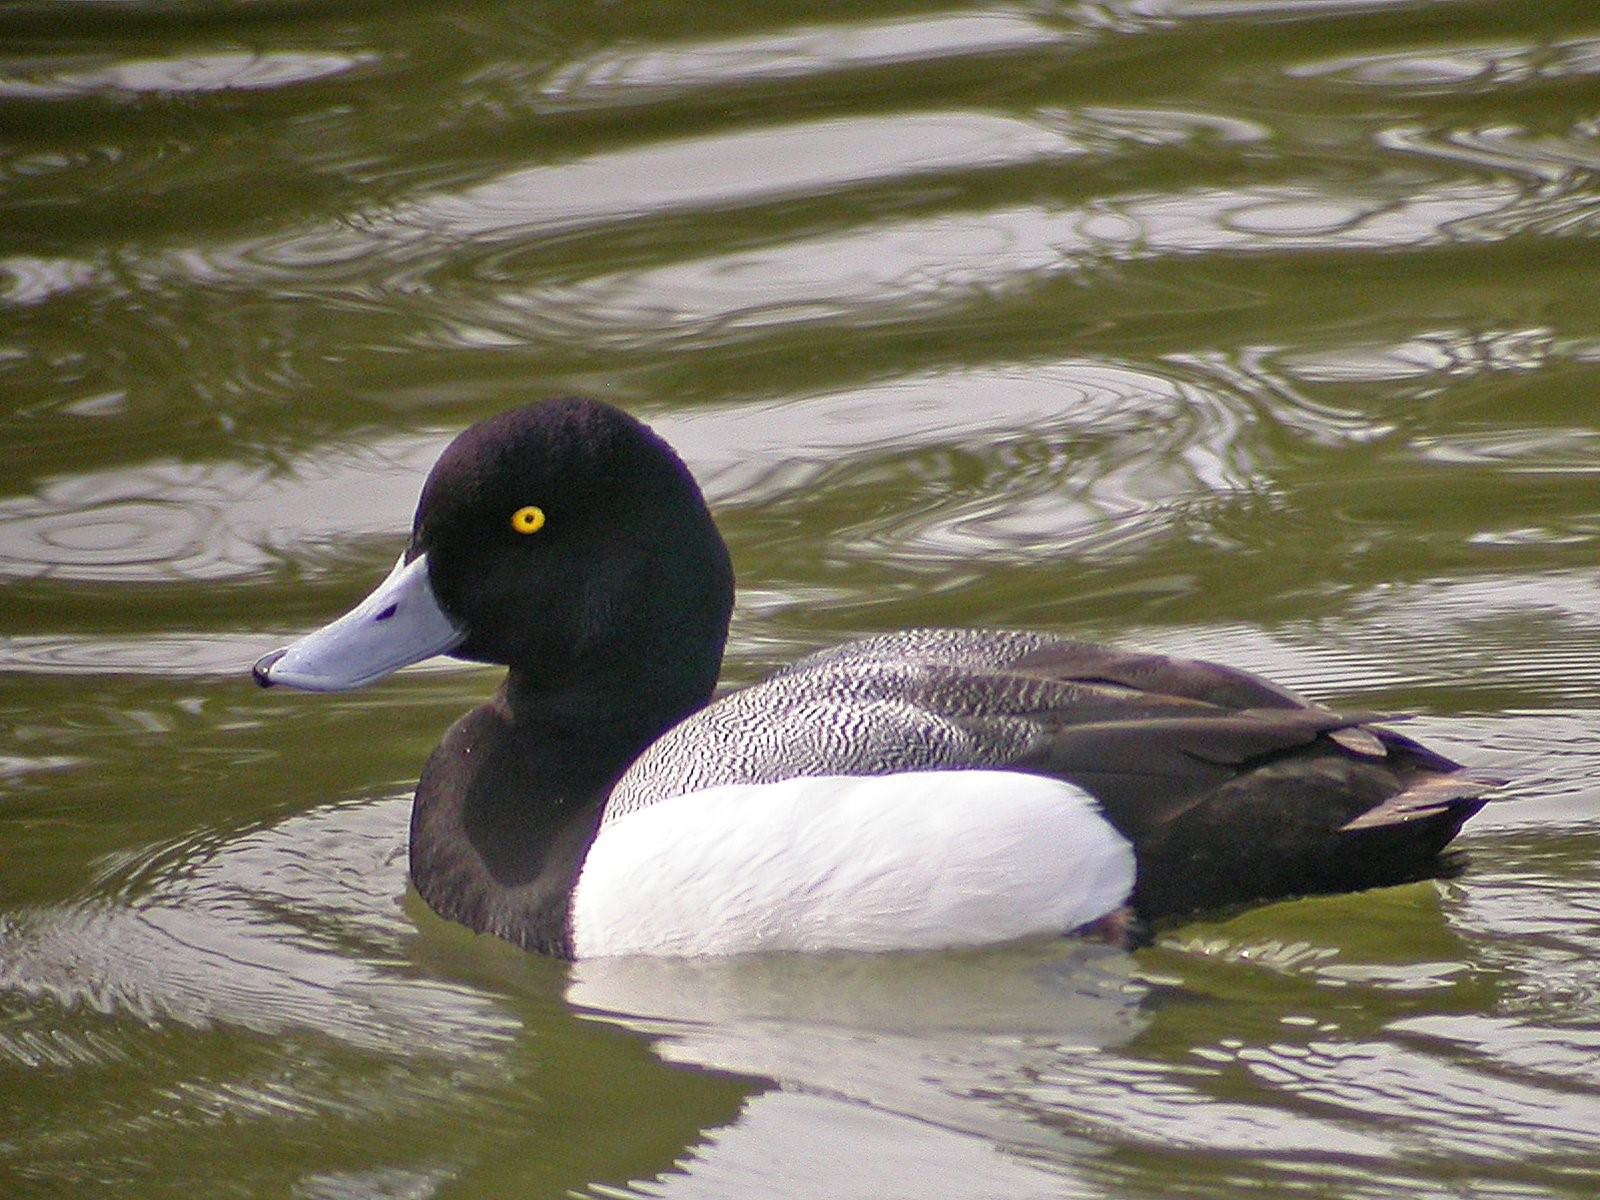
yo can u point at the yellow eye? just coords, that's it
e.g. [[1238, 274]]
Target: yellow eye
[[528, 519]]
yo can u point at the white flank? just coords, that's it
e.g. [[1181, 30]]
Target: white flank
[[915, 861]]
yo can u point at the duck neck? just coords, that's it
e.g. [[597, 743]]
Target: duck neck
[[510, 801]]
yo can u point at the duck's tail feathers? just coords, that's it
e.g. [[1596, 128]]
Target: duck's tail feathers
[[1461, 792]]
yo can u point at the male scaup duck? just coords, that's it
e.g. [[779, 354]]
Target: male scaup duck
[[933, 788]]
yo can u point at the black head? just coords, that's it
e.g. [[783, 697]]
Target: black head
[[572, 544]]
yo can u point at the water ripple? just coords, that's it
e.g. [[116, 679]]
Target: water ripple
[[234, 937], [1438, 354], [1458, 69], [634, 74], [28, 281], [177, 522], [933, 1043], [910, 270], [193, 73], [1544, 160], [1475, 1115], [731, 169], [170, 522], [1551, 1054]]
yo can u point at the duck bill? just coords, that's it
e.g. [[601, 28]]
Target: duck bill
[[398, 624]]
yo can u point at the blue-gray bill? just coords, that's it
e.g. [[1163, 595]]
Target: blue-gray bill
[[399, 623]]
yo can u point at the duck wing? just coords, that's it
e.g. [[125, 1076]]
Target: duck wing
[[1148, 770], [1155, 675], [1230, 807]]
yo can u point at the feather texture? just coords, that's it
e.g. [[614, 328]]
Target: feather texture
[[910, 861]]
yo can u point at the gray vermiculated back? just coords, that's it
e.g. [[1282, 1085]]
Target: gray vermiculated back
[[867, 707]]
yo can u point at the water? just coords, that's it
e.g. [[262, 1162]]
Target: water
[[1258, 331]]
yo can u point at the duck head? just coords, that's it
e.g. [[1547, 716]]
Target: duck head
[[564, 540]]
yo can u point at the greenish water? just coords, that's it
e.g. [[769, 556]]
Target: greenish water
[[1267, 332]]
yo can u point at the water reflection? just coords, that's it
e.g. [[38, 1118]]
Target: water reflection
[[730, 169], [912, 270], [1546, 161], [633, 75], [1453, 70], [1069, 446], [30, 280], [1436, 353], [921, 1054], [201, 72], [1034, 1049], [169, 522]]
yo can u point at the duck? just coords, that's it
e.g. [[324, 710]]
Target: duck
[[918, 790]]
